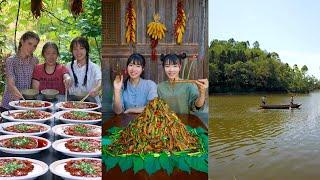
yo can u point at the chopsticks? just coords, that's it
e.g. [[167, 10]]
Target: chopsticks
[[85, 97], [66, 95], [183, 81]]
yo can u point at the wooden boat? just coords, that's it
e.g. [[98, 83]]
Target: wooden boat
[[282, 106]]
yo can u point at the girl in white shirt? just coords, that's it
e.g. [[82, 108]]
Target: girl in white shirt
[[85, 74]]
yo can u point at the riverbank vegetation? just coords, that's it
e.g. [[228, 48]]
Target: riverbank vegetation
[[236, 66]]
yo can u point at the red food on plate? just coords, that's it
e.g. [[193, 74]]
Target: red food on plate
[[82, 130], [31, 114], [79, 105], [25, 128], [80, 115], [15, 167], [34, 104], [20, 142], [83, 145], [84, 168]]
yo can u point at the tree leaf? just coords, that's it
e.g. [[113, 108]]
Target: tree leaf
[[183, 165], [111, 162], [166, 163], [152, 164], [138, 164], [125, 163]]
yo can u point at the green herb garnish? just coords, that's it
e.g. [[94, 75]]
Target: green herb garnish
[[80, 114], [23, 127], [86, 167], [81, 129], [10, 167], [18, 141], [83, 145]]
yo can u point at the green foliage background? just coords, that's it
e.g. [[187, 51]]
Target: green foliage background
[[56, 24], [238, 67]]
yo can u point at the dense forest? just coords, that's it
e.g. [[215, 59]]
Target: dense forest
[[56, 23], [238, 67]]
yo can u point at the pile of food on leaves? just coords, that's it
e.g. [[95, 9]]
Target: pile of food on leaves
[[156, 129], [157, 139]]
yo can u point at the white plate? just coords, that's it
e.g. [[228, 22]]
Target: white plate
[[57, 168], [4, 125], [39, 169], [59, 130], [14, 104], [60, 106], [23, 151], [59, 145], [58, 115], [10, 118]]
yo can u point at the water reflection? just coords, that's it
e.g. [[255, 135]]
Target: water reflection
[[248, 143]]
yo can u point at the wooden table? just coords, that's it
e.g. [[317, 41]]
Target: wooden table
[[116, 173]]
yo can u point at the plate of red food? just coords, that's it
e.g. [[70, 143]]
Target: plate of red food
[[79, 117], [77, 130], [71, 105], [31, 105], [14, 168], [78, 168], [27, 128], [23, 144], [27, 116], [78, 147]]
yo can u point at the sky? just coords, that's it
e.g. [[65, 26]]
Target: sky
[[290, 28]]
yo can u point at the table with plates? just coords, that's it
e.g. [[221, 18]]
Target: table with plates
[[49, 155]]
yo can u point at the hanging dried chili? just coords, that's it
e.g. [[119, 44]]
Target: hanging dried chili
[[180, 23], [36, 7], [76, 7]]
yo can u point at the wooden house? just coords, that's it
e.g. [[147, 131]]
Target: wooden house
[[115, 50]]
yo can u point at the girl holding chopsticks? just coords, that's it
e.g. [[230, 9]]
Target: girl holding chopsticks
[[19, 68], [85, 75], [182, 97]]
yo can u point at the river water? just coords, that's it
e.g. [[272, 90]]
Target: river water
[[246, 142]]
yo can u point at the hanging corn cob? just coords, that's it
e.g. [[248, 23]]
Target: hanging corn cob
[[180, 23], [131, 23], [36, 7], [156, 30], [76, 7]]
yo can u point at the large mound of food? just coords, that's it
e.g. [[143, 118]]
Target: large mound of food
[[156, 129]]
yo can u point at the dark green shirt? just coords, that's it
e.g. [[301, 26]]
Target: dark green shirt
[[180, 97]]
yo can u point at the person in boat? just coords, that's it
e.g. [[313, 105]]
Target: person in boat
[[263, 100], [51, 74], [85, 75], [291, 100], [132, 94], [19, 68], [182, 98]]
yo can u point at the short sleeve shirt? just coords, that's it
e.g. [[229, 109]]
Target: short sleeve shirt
[[50, 81], [139, 95], [21, 72]]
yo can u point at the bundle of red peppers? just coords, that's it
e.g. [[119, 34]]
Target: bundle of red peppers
[[76, 7], [131, 23], [36, 7], [180, 23]]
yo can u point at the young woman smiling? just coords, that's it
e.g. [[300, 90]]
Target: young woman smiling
[[132, 95]]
